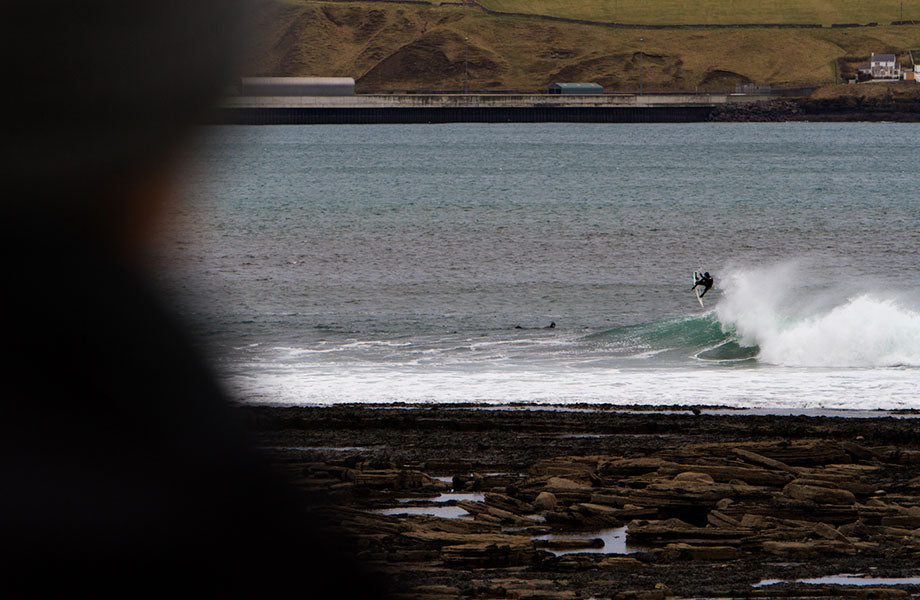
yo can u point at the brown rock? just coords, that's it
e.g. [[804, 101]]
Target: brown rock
[[545, 501], [759, 459], [577, 467], [448, 466], [505, 502], [720, 519], [599, 510], [619, 562], [560, 483], [694, 476], [726, 473], [488, 554], [567, 490], [569, 543], [819, 495], [829, 533], [809, 549], [804, 452], [628, 467], [859, 452], [755, 521], [642, 595], [856, 529], [685, 551], [905, 521], [508, 517], [674, 530], [436, 591]]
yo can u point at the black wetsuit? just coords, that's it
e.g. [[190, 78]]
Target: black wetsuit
[[704, 281]]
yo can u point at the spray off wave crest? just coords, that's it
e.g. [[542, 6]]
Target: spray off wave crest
[[798, 327]]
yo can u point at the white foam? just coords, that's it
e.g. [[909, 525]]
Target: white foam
[[796, 327], [762, 387]]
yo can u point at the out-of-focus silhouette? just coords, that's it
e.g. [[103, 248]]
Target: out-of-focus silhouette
[[123, 470]]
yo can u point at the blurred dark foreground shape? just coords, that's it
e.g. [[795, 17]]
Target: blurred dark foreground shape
[[123, 469]]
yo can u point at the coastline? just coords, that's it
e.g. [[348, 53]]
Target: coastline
[[716, 503], [895, 102]]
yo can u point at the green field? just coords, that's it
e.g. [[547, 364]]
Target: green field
[[717, 12]]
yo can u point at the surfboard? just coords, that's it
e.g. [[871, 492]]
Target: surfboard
[[696, 275]]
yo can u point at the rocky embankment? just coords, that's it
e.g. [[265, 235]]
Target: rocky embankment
[[468, 503], [897, 102]]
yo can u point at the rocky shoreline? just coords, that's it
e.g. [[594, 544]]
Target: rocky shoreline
[[831, 109], [520, 502]]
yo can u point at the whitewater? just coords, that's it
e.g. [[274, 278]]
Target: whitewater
[[762, 345], [420, 264]]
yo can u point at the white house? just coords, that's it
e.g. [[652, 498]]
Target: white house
[[885, 66]]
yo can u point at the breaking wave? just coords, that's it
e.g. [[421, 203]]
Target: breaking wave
[[794, 326]]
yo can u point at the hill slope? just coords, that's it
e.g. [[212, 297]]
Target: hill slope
[[391, 46]]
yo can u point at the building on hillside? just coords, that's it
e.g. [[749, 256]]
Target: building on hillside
[[575, 88], [297, 86], [885, 66], [913, 73]]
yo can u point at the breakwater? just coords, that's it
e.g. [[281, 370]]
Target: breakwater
[[473, 108]]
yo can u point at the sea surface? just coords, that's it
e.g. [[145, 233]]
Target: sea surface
[[425, 263]]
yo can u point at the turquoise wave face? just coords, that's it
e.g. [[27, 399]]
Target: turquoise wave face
[[703, 338]]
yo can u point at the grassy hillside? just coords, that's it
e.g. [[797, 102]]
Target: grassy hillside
[[411, 47], [824, 12]]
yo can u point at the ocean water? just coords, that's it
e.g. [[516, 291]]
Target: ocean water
[[329, 264]]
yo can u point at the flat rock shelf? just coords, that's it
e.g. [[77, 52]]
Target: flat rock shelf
[[712, 505]]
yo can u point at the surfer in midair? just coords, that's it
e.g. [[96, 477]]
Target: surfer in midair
[[704, 280]]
